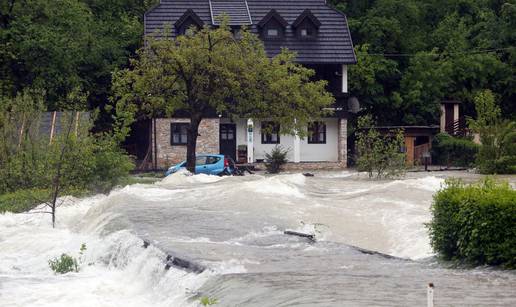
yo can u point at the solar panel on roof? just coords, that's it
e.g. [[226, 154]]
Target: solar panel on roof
[[236, 10]]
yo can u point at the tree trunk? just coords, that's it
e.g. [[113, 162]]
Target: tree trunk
[[193, 132]]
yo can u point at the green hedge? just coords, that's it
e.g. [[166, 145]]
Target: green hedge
[[27, 199], [475, 223], [23, 200], [452, 151]]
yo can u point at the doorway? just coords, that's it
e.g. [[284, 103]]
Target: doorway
[[228, 140]]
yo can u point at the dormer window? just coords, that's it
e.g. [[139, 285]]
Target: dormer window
[[272, 26], [307, 26], [188, 23]]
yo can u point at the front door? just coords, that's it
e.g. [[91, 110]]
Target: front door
[[228, 140]]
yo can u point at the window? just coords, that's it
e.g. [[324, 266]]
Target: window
[[272, 26], [317, 133], [200, 161], [227, 133], [307, 26], [272, 32], [179, 135], [212, 160], [307, 33], [270, 133]]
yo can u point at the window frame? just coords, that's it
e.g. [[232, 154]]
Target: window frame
[[179, 127], [266, 136], [314, 132]]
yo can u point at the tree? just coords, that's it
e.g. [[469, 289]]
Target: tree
[[377, 153], [498, 136], [211, 70], [36, 169]]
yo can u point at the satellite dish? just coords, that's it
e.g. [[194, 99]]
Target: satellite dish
[[353, 105]]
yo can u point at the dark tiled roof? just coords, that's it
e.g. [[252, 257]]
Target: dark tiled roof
[[273, 14], [189, 14], [237, 11], [306, 14], [332, 46]]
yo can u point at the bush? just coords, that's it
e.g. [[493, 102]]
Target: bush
[[452, 151], [275, 160], [497, 154], [475, 223], [23, 200], [64, 264], [378, 153]]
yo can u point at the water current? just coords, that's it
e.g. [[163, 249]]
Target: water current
[[232, 229]]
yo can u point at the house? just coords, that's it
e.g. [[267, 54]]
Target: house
[[321, 38]]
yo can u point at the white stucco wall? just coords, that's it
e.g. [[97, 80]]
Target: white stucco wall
[[308, 152], [328, 152]]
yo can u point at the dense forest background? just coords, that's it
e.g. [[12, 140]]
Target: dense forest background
[[412, 53]]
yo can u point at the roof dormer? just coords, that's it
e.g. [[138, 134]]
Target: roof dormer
[[186, 22], [306, 26], [272, 26]]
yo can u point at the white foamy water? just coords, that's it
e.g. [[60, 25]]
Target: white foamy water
[[234, 227], [115, 269]]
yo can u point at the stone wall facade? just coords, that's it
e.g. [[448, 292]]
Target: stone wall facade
[[343, 141], [167, 154]]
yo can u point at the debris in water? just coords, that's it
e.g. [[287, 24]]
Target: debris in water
[[300, 234]]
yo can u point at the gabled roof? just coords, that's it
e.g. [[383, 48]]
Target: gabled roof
[[273, 14], [189, 14], [306, 14], [333, 44], [236, 10]]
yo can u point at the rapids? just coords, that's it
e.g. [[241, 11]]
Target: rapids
[[233, 227]]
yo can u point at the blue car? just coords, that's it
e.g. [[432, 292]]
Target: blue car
[[208, 164]]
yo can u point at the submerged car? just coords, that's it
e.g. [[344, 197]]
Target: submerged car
[[208, 164]]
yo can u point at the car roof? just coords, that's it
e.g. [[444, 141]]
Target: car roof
[[210, 155]]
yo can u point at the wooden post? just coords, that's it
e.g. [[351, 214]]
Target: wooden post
[[430, 295], [21, 132], [77, 115], [52, 126]]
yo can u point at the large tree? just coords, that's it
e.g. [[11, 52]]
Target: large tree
[[213, 70]]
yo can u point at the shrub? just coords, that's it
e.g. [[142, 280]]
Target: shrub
[[66, 263], [377, 153], [207, 301], [23, 200], [452, 151], [498, 136], [475, 223], [275, 160]]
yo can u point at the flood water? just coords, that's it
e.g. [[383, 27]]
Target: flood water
[[234, 228]]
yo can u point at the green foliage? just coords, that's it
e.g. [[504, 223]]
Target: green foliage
[[452, 151], [497, 154], [66, 263], [23, 200], [211, 70], [275, 160], [30, 164], [207, 301], [414, 53], [379, 155], [62, 44], [475, 223]]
